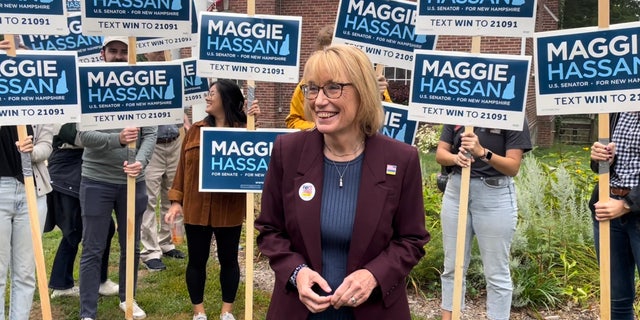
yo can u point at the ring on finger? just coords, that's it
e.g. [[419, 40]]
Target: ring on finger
[[353, 300]]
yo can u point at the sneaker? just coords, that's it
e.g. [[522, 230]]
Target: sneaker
[[71, 292], [200, 316], [108, 288], [86, 319], [175, 253], [227, 316], [155, 265], [138, 313]]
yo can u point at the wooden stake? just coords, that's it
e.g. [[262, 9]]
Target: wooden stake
[[603, 195], [249, 219], [131, 211], [36, 237], [458, 276]]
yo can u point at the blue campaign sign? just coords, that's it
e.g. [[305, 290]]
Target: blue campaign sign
[[118, 95], [588, 70], [33, 17], [259, 47], [38, 87], [137, 18], [508, 18], [383, 29], [486, 90], [397, 124], [87, 47], [235, 160], [152, 44], [196, 89]]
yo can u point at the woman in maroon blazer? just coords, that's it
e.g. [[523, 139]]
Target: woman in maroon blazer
[[342, 219]]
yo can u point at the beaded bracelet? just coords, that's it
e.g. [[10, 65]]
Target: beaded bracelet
[[294, 275]]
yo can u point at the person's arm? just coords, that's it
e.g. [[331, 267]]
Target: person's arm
[[42, 148], [273, 239], [100, 140], [148, 137], [296, 118], [392, 265]]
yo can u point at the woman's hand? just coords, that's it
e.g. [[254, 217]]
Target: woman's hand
[[470, 143], [174, 210], [611, 209], [254, 109], [601, 152], [305, 281], [26, 145], [355, 289]]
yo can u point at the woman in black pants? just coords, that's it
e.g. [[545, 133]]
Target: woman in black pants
[[207, 213]]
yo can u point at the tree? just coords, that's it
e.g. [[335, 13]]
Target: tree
[[584, 13]]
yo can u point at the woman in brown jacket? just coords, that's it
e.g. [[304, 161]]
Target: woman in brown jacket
[[206, 213]]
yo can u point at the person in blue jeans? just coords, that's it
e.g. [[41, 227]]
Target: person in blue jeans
[[63, 211], [494, 157], [622, 210]]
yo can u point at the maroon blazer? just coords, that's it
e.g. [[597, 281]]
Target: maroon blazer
[[389, 228]]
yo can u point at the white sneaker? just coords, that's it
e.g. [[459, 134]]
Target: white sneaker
[[200, 316], [86, 319], [71, 292], [138, 313], [108, 288], [227, 316]]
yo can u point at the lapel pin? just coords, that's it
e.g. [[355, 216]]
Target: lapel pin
[[391, 169]]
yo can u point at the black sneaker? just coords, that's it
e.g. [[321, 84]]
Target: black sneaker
[[155, 265], [175, 253]]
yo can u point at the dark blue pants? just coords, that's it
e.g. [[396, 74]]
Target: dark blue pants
[[98, 201], [625, 259]]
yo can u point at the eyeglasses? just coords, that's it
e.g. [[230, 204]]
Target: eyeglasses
[[332, 90]]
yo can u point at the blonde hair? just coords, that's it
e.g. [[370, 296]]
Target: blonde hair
[[350, 64]]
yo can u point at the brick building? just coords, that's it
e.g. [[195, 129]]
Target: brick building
[[274, 97]]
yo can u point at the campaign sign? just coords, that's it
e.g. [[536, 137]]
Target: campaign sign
[[38, 87], [33, 17], [87, 47], [486, 90], [137, 18], [119, 95], [73, 6], [588, 70], [259, 47], [383, 29], [153, 44], [397, 124], [502, 18], [196, 89], [234, 159]]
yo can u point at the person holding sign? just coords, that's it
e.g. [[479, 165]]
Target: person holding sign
[[494, 156], [103, 190], [63, 204], [622, 210], [342, 217], [16, 252], [156, 242], [296, 118], [206, 213]]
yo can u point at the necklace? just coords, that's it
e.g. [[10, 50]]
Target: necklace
[[341, 174], [355, 150]]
